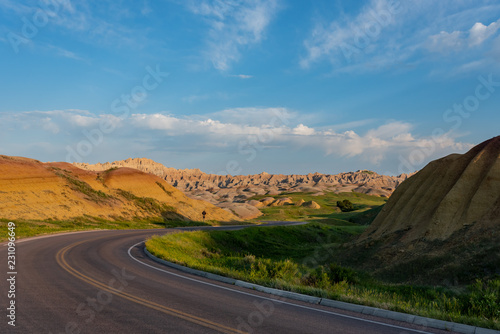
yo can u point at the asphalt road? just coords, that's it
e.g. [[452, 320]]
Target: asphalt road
[[102, 282]]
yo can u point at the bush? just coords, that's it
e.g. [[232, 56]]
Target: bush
[[345, 205], [317, 278], [338, 274]]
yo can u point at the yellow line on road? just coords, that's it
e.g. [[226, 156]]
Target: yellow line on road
[[60, 257]]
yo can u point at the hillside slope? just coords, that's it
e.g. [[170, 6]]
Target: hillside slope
[[447, 195], [441, 226], [30, 189]]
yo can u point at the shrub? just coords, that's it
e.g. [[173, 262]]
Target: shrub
[[484, 299], [345, 205], [338, 274], [317, 278]]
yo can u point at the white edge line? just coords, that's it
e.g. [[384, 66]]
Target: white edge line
[[271, 299]]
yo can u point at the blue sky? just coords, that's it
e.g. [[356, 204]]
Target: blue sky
[[242, 87]]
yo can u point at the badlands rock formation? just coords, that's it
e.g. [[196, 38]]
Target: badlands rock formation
[[442, 225], [189, 180], [30, 189], [449, 194], [232, 191]]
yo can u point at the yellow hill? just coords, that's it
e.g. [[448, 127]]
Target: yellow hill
[[449, 194], [440, 226], [30, 189]]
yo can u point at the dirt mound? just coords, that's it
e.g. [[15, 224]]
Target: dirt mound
[[311, 205], [34, 190], [267, 201], [256, 203], [242, 210], [282, 201]]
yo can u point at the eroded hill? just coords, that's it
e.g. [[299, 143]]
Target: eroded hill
[[191, 180], [442, 225], [30, 189]]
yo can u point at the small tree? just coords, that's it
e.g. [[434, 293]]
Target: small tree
[[345, 205]]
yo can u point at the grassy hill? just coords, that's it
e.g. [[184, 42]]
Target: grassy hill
[[55, 196]]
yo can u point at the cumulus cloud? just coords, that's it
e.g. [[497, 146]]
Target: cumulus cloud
[[372, 146], [239, 131], [446, 42], [233, 27], [303, 130], [479, 32]]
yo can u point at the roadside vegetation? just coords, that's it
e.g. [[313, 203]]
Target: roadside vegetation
[[304, 259], [31, 228]]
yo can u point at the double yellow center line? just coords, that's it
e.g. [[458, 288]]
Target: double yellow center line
[[61, 260]]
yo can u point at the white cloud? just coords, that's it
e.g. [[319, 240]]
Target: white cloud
[[65, 53], [233, 27], [50, 126], [57, 121], [303, 130], [446, 42], [455, 41], [174, 126], [85, 21], [373, 146], [264, 117], [479, 32], [235, 130], [346, 39], [379, 37], [242, 76]]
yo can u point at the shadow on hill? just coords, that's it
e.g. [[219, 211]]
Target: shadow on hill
[[349, 218]]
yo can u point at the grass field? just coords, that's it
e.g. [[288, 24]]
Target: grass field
[[366, 207], [303, 259]]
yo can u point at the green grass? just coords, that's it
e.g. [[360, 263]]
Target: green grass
[[366, 208], [169, 193], [82, 187], [147, 204], [102, 175], [304, 259], [31, 228]]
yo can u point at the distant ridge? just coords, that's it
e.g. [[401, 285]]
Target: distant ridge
[[190, 180]]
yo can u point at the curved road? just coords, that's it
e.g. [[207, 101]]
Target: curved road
[[102, 282]]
